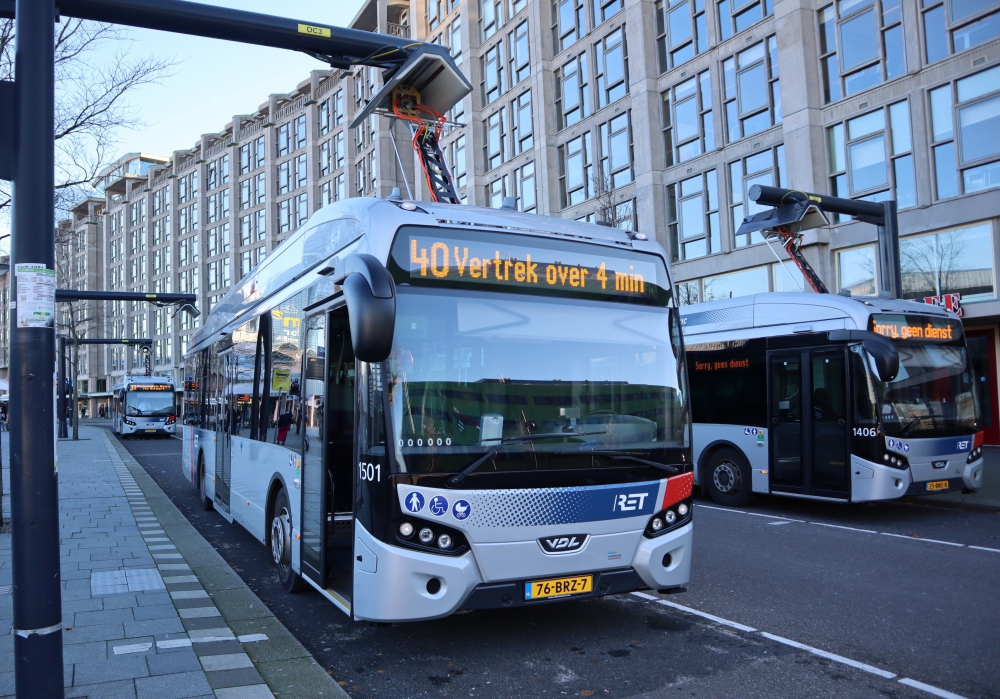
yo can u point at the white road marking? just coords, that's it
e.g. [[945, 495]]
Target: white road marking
[[761, 514], [830, 656], [706, 615], [920, 538], [134, 648], [984, 548], [252, 637], [643, 595], [778, 524], [930, 689], [851, 529], [724, 509]]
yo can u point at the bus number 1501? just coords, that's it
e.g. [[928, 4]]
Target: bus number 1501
[[368, 472]]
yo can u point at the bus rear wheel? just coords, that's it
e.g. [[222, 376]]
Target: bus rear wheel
[[727, 478], [281, 544], [206, 504]]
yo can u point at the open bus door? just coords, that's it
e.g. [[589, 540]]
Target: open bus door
[[328, 399], [807, 402]]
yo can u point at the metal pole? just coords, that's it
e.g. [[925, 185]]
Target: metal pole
[[63, 384], [888, 243], [38, 654]]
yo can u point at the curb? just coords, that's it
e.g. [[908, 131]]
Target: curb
[[285, 665]]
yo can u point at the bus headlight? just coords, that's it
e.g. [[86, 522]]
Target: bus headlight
[[656, 524], [896, 461], [444, 541], [429, 537], [426, 535], [128, 422], [663, 521], [682, 509], [670, 516], [406, 530], [974, 455]]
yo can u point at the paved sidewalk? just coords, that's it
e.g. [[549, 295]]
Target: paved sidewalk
[[149, 608]]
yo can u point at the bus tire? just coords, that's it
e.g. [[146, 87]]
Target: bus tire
[[728, 478], [281, 544], [206, 503]]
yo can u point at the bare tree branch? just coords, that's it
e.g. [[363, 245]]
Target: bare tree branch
[[610, 208]]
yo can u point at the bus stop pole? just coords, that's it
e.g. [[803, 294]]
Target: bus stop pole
[[38, 652], [888, 246], [63, 385]]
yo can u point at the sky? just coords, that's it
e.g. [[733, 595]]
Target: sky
[[214, 80]]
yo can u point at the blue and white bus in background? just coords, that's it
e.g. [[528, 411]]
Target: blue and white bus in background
[[144, 405], [832, 397], [425, 408]]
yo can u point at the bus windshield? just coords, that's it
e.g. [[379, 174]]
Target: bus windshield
[[932, 395], [470, 367], [149, 403]]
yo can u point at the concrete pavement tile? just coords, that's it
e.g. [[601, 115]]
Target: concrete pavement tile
[[234, 678], [239, 604], [193, 603], [188, 594], [124, 689], [149, 599], [106, 616], [125, 667], [120, 600], [225, 661], [258, 691], [219, 578], [281, 645], [301, 678], [82, 652], [183, 660], [218, 648], [7, 682], [178, 686], [81, 605], [202, 612], [209, 622], [85, 634], [158, 611], [153, 627]]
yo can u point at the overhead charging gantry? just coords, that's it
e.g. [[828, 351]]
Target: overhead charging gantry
[[795, 212], [421, 83]]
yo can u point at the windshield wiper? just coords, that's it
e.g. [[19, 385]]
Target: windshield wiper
[[906, 430], [625, 456], [504, 441]]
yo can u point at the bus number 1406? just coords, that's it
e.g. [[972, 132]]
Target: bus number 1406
[[865, 432]]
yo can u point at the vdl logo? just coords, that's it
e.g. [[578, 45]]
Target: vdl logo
[[563, 544]]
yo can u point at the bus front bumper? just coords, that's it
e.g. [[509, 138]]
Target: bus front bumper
[[407, 585], [873, 481]]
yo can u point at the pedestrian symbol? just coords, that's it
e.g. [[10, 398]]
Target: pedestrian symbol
[[414, 502], [438, 505]]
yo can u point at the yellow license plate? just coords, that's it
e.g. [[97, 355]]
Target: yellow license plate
[[558, 587], [151, 430], [937, 485]]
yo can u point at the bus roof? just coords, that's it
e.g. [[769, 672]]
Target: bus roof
[[773, 310], [142, 380], [368, 225]]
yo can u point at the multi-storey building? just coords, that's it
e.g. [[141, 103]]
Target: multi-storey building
[[656, 115]]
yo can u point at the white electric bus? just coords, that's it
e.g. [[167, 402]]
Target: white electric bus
[[424, 408], [830, 397], [144, 405]]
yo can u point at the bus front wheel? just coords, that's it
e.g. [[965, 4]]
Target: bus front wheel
[[727, 478], [281, 543], [206, 503]]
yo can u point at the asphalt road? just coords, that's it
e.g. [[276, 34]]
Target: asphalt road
[[901, 592]]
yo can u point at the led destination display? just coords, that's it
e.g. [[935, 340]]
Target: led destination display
[[916, 328], [528, 265], [151, 387]]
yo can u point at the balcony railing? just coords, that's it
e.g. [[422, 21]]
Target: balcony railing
[[400, 30]]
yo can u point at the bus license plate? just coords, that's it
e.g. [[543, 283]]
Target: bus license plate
[[937, 485], [151, 430], [558, 587]]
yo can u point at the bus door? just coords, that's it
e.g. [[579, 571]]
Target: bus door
[[808, 413], [328, 394], [224, 431]]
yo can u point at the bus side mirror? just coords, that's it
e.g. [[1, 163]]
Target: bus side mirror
[[371, 306], [882, 350]]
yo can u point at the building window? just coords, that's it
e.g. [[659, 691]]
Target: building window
[[492, 17], [496, 132], [218, 206], [735, 16], [459, 167], [603, 9], [260, 189], [573, 98], [612, 68], [284, 139], [524, 187], [687, 293], [259, 152], [570, 24], [187, 219], [246, 188], [301, 209], [965, 121], [965, 24], [372, 171], [299, 132], [218, 172], [455, 40], [520, 63], [682, 32], [324, 158], [325, 117], [859, 45], [522, 124], [742, 283], [218, 240], [300, 171], [615, 164], [361, 179], [870, 157], [493, 73], [956, 261], [688, 126], [338, 107], [285, 216], [187, 187], [575, 170], [187, 251], [246, 162], [767, 168], [338, 150], [693, 210], [856, 271], [752, 90], [433, 14], [285, 177]]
